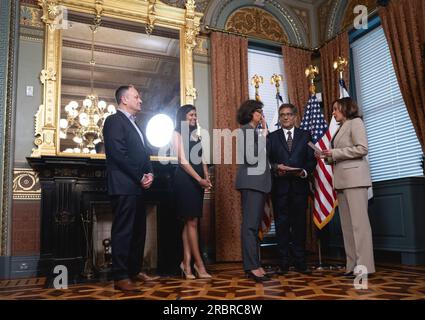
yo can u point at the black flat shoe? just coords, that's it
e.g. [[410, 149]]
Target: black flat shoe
[[282, 269], [302, 268], [263, 278]]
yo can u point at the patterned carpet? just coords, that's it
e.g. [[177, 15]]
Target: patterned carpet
[[391, 282]]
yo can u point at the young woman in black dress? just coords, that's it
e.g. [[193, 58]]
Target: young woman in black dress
[[190, 181]]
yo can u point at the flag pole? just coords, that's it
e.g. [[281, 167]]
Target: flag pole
[[311, 72], [276, 79], [256, 80], [339, 66]]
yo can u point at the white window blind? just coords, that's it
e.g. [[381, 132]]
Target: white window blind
[[265, 64], [394, 150]]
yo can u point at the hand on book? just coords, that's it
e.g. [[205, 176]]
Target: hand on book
[[286, 170]]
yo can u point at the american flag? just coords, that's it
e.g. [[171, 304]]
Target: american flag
[[324, 195], [267, 218]]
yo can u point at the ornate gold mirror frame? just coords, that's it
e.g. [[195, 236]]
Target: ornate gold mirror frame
[[149, 12]]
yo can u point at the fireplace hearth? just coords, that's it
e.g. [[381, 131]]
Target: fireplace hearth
[[71, 186]]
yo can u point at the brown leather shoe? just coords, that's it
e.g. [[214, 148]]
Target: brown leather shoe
[[125, 285], [144, 277]]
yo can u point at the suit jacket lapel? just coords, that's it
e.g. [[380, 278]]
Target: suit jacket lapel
[[295, 139], [342, 130], [283, 139], [134, 129]]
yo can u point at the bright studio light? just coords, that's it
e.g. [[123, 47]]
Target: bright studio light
[[159, 130]]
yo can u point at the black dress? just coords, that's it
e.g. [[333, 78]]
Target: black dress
[[189, 195]]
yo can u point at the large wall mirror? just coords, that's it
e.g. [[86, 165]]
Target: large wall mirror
[[148, 44], [96, 62]]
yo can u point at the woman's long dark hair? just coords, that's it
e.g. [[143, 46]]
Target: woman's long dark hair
[[181, 117]]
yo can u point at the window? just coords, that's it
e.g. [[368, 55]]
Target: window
[[265, 64], [394, 150]]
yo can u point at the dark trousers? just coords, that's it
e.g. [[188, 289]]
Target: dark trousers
[[290, 217], [127, 235], [252, 213]]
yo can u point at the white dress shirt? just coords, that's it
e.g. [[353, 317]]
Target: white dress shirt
[[285, 133]]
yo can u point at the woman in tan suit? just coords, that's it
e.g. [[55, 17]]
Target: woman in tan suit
[[351, 181]]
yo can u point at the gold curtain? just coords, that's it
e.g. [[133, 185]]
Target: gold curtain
[[295, 61], [403, 22], [229, 63], [328, 54]]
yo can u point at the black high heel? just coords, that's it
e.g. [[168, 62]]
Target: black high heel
[[263, 278]]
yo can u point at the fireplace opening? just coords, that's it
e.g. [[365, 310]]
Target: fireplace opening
[[100, 242]]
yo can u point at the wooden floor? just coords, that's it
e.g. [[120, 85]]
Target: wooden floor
[[391, 282]]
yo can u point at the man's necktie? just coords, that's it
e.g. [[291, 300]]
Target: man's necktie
[[289, 140]]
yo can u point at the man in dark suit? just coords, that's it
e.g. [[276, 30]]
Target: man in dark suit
[[130, 174], [292, 161]]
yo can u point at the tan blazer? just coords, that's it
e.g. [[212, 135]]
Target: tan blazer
[[351, 169]]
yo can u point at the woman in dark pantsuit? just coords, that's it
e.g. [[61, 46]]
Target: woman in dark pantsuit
[[253, 180]]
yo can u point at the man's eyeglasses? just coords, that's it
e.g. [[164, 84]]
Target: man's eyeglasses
[[286, 115]]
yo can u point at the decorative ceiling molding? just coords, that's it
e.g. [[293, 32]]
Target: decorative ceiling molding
[[330, 27], [201, 5], [304, 17], [218, 12], [256, 22], [133, 71], [349, 14], [118, 51], [335, 17], [291, 23], [124, 25], [31, 17], [323, 12]]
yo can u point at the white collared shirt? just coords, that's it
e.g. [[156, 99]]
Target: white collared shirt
[[292, 130], [285, 131]]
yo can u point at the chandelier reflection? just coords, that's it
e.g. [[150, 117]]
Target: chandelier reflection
[[85, 122]]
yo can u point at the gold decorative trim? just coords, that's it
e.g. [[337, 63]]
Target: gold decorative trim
[[256, 22], [304, 17], [201, 46], [31, 37], [191, 30], [191, 92], [162, 158], [151, 16], [7, 157], [147, 12], [324, 10], [31, 17], [26, 185]]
